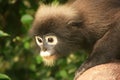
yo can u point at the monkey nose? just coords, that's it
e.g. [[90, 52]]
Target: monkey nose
[[44, 49]]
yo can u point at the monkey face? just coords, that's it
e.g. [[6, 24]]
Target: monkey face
[[47, 44], [52, 47]]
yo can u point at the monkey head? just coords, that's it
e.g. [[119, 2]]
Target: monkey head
[[57, 31]]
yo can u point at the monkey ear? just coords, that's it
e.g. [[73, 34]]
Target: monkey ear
[[77, 24]]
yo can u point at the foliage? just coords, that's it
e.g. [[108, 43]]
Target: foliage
[[4, 77], [19, 58]]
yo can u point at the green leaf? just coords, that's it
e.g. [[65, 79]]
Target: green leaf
[[26, 45], [38, 59], [4, 77], [55, 2], [63, 73], [3, 34], [26, 19], [32, 67]]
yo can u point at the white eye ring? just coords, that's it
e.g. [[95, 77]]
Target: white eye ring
[[51, 40], [39, 40]]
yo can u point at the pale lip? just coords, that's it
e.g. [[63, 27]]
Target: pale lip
[[45, 53]]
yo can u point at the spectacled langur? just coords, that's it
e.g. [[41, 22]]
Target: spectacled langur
[[92, 25]]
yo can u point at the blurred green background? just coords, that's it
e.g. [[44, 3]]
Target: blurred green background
[[19, 55]]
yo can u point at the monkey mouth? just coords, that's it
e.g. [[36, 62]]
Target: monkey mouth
[[46, 54], [48, 58]]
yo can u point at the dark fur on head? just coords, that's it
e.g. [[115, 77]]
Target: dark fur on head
[[60, 21]]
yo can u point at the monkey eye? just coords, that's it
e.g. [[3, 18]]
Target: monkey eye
[[76, 24], [39, 40], [52, 40]]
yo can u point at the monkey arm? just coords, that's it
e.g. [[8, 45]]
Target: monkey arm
[[105, 50], [109, 71]]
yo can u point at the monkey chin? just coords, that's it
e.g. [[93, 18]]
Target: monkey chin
[[49, 60]]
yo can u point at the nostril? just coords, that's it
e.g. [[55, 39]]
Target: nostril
[[44, 49]]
